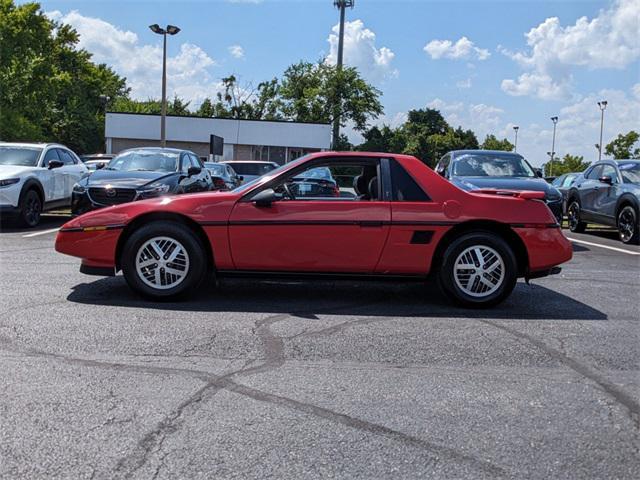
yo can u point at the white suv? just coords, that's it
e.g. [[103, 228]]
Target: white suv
[[35, 177]]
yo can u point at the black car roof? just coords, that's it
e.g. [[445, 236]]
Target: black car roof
[[492, 152]]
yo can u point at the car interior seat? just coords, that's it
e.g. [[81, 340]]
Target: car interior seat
[[360, 185], [373, 188]]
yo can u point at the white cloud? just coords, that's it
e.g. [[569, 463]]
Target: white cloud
[[360, 51], [188, 72], [466, 83], [609, 40], [236, 51], [481, 118], [461, 50]]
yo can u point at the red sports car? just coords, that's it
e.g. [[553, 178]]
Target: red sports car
[[393, 217]]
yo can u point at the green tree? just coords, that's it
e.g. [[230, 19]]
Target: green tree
[[568, 164], [310, 91], [623, 146], [177, 106], [492, 143], [49, 89]]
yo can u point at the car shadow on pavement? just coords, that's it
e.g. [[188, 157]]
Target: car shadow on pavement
[[307, 299], [9, 225]]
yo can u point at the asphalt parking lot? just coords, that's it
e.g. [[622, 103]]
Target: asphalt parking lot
[[317, 380]]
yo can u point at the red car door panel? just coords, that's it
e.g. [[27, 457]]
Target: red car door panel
[[309, 235], [416, 229]]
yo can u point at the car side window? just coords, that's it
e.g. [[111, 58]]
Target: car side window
[[404, 188], [568, 180], [609, 171], [186, 162], [443, 165], [196, 161], [66, 157], [348, 181], [594, 173], [51, 154]]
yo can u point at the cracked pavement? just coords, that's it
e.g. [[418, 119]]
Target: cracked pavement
[[262, 379]]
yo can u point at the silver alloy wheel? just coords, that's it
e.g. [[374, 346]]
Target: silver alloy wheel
[[479, 271], [162, 263]]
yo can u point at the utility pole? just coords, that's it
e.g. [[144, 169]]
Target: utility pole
[[602, 105], [553, 145], [342, 6], [170, 30], [515, 145]]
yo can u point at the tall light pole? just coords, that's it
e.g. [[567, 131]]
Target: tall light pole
[[170, 30], [515, 144], [603, 105], [342, 6], [553, 145]]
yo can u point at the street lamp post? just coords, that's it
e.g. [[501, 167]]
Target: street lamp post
[[602, 105], [170, 30], [515, 144], [342, 5], [553, 145]]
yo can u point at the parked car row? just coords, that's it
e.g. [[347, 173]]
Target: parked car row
[[38, 177]]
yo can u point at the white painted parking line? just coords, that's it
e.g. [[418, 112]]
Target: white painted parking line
[[43, 232], [604, 246]]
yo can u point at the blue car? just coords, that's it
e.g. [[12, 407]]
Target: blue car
[[607, 193]]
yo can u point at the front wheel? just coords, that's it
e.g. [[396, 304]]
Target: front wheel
[[573, 215], [164, 261], [478, 270], [30, 209], [628, 230]]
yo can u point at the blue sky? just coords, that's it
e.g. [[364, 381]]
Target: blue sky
[[486, 65]]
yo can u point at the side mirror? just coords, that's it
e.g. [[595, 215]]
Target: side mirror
[[539, 174], [55, 164], [241, 178], [606, 179], [193, 171], [265, 198], [100, 166]]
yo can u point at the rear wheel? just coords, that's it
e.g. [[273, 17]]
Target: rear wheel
[[628, 230], [30, 209], [573, 216], [164, 261], [479, 269]]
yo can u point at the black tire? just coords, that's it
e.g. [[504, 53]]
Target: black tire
[[573, 217], [195, 267], [447, 272], [30, 208], [628, 228]]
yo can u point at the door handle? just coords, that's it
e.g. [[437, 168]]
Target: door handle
[[366, 224]]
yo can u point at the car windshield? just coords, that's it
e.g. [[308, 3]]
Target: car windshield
[[145, 160], [492, 165], [630, 172], [215, 168], [20, 156], [252, 168]]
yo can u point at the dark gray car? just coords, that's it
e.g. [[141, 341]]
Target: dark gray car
[[480, 169], [607, 193]]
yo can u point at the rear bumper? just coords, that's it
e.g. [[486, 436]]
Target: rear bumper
[[547, 247]]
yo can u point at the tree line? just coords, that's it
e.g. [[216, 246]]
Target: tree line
[[50, 90]]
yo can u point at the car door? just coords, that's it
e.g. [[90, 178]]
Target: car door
[[72, 171], [606, 196], [53, 180], [587, 190], [333, 233]]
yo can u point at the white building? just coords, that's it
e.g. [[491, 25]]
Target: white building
[[276, 141]]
